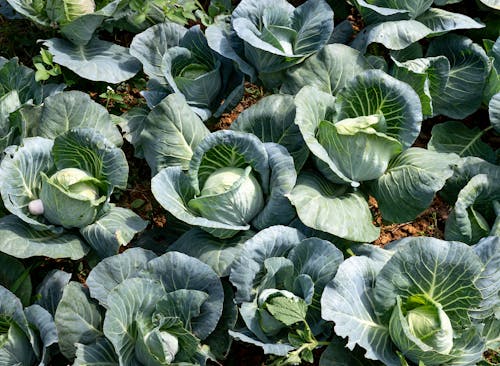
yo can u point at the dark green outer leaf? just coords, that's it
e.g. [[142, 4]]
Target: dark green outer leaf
[[219, 254], [329, 70], [337, 354], [50, 291], [15, 278], [171, 133], [116, 228], [410, 183], [112, 271], [469, 70], [78, 319], [271, 119], [455, 137], [348, 302], [42, 320], [441, 21], [247, 270], [21, 240], [100, 353], [14, 76], [97, 60], [394, 35], [332, 208], [178, 271], [219, 340], [278, 209], [428, 76], [21, 350], [150, 46], [74, 109], [21, 181]]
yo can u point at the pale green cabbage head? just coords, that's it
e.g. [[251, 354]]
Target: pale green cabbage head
[[71, 198]]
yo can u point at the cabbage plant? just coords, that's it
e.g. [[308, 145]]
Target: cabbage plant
[[58, 193], [361, 141], [264, 38], [20, 97], [142, 309], [398, 24], [450, 79], [279, 278], [27, 334], [234, 181], [419, 300], [81, 50], [179, 60]]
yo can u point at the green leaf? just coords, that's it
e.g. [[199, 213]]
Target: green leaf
[[466, 222], [494, 112], [78, 319], [410, 183], [329, 70], [21, 240], [116, 228], [455, 137], [347, 301], [15, 277], [286, 310], [271, 119], [100, 353], [74, 109], [112, 271], [176, 270], [97, 60], [394, 35], [469, 69], [219, 254], [275, 241], [325, 206], [49, 292], [133, 299], [428, 76], [441, 21]]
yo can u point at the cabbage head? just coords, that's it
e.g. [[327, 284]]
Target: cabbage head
[[422, 300], [71, 198], [233, 182]]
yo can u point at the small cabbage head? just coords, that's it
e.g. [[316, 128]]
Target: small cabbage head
[[230, 195], [71, 198], [420, 325], [65, 11], [155, 346]]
